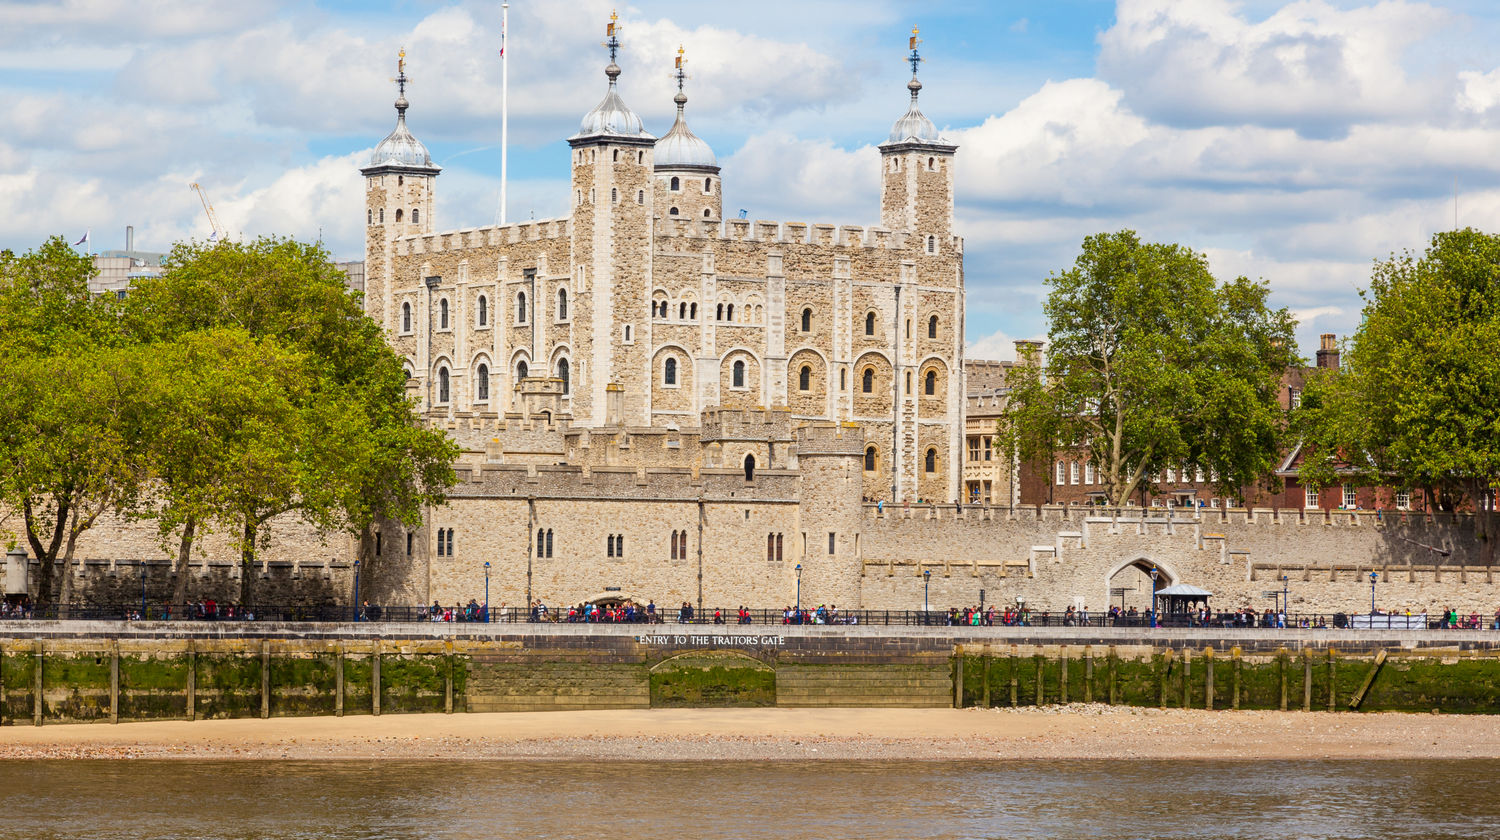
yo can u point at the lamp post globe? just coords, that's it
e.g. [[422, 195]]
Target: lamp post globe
[[486, 591], [799, 592], [1152, 611], [356, 591], [1286, 604], [1373, 577]]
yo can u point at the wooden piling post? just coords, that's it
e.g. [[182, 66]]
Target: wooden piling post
[[985, 672], [338, 680], [1281, 668], [1187, 678], [1088, 674], [114, 681], [1041, 686], [36, 686], [1062, 675], [1015, 682], [265, 678], [1163, 666], [1208, 678], [1364, 687], [2, 683], [1332, 681], [190, 686], [1234, 654], [1114, 676], [1307, 671], [958, 680], [448, 677], [375, 677]]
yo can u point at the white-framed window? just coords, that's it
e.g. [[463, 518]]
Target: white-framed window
[[1062, 474], [1349, 500], [1311, 498], [1403, 500], [1089, 473], [1171, 475], [1073, 472], [1295, 397]]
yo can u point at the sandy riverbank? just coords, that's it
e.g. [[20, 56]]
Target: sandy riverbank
[[764, 734]]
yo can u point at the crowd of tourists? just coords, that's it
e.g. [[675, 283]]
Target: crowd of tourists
[[820, 615]]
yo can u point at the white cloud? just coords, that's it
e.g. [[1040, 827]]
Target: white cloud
[[1309, 65], [997, 345], [778, 176]]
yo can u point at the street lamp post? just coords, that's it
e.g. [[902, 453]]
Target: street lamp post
[[1154, 575], [356, 590], [799, 593], [486, 591], [143, 590], [1373, 578], [926, 587], [1286, 604]]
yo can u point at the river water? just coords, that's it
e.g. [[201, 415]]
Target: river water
[[747, 801]]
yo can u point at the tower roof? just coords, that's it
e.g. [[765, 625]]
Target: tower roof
[[680, 148], [611, 117], [913, 126], [399, 148]]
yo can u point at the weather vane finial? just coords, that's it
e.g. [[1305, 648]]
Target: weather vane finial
[[610, 33], [680, 75], [401, 80], [912, 43]]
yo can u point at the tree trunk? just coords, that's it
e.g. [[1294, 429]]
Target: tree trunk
[[46, 555], [247, 561], [66, 589], [1484, 520], [184, 556]]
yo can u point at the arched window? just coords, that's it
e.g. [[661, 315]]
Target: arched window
[[482, 383], [706, 214], [778, 546], [672, 211], [370, 220], [908, 382], [675, 184], [693, 312], [868, 383], [442, 385], [931, 461], [770, 546], [682, 311], [729, 312], [929, 384], [640, 196], [614, 194], [932, 163], [484, 310], [669, 371], [562, 304], [443, 314], [708, 185], [719, 313], [932, 244], [406, 317], [739, 374], [908, 328], [520, 307], [871, 459], [521, 370], [807, 320], [398, 214], [843, 379], [932, 327], [869, 323], [562, 373], [415, 214], [541, 542], [549, 542], [804, 378], [749, 467], [382, 215]]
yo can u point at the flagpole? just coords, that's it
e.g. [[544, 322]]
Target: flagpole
[[504, 104]]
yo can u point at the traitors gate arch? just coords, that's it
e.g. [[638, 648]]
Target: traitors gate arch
[[1136, 572]]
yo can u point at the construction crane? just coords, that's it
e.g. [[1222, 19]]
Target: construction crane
[[219, 233]]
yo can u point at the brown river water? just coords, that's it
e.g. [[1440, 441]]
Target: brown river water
[[747, 801]]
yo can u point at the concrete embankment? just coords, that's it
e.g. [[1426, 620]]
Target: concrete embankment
[[83, 671]]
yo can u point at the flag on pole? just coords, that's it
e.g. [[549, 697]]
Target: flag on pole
[[85, 239], [502, 39], [214, 237]]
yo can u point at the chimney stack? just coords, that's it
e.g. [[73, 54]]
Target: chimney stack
[[1328, 351], [129, 238]]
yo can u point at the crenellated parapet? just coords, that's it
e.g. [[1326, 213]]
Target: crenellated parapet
[[740, 231], [824, 438], [760, 424]]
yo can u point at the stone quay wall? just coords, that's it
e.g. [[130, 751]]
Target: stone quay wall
[[56, 672]]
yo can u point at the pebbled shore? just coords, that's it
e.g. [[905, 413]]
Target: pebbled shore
[[1064, 732]]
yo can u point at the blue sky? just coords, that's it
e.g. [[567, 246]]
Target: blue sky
[[1292, 141]]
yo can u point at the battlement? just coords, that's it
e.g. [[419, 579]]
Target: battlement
[[826, 438], [478, 237], [768, 424], [634, 483], [789, 233]]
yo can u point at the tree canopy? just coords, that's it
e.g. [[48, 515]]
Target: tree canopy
[[243, 383], [1153, 364], [1416, 401]]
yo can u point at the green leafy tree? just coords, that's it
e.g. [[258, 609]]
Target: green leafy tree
[[350, 450], [1417, 400], [70, 412], [1153, 364]]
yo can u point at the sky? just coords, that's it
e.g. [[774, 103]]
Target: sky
[[1294, 142]]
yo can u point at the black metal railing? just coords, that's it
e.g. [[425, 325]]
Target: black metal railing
[[584, 614]]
